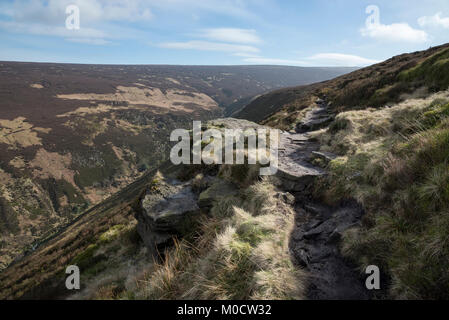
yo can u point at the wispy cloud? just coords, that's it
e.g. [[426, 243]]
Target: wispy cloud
[[234, 8], [208, 46], [52, 12], [233, 35], [46, 30], [320, 59], [273, 61], [396, 32], [96, 42], [435, 21], [340, 60], [233, 40], [47, 18]]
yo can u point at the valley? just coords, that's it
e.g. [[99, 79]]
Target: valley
[[73, 135]]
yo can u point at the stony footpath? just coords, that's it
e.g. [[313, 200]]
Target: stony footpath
[[315, 119], [297, 150], [315, 240]]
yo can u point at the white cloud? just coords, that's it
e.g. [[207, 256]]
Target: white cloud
[[235, 8], [245, 55], [233, 35], [208, 46], [320, 59], [435, 21], [232, 40], [103, 20], [273, 61], [47, 17], [52, 12], [396, 32], [340, 60], [38, 29]]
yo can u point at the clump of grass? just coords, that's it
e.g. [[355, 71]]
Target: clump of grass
[[111, 291], [225, 207], [111, 234], [338, 125], [242, 175], [434, 191], [164, 280]]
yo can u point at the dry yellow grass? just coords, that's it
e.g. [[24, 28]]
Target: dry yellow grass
[[365, 131], [20, 133], [84, 111], [171, 100], [17, 162], [53, 165]]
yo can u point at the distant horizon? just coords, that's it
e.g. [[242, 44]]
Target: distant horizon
[[185, 65]]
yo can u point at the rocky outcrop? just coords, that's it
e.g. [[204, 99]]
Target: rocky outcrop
[[167, 209], [170, 208]]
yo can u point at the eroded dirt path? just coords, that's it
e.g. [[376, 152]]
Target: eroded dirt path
[[314, 243]]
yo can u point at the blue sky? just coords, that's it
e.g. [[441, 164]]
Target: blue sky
[[221, 32]]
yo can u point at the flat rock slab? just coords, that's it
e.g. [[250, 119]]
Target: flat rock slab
[[294, 168], [166, 210]]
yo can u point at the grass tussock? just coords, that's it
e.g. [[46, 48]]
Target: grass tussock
[[240, 252], [396, 163]]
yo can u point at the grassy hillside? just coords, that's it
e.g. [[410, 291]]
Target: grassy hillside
[[395, 162]]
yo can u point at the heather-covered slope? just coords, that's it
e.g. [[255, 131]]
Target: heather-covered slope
[[72, 135]]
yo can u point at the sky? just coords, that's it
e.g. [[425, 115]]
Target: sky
[[219, 32]]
